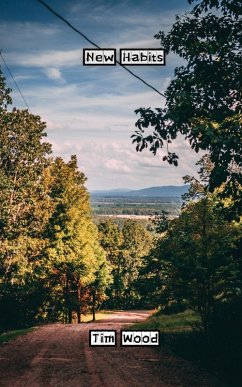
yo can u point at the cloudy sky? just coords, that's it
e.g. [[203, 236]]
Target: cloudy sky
[[89, 110]]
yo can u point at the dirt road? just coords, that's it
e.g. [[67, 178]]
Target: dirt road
[[59, 355]]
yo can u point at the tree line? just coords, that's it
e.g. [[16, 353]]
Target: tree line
[[51, 261], [55, 263]]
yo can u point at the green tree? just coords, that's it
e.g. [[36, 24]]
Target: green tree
[[160, 223], [111, 240], [24, 157], [5, 98], [137, 242], [197, 260], [49, 250], [73, 252], [203, 101], [125, 249], [103, 280]]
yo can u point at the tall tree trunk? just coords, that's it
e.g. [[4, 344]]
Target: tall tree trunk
[[93, 306], [78, 304], [69, 315]]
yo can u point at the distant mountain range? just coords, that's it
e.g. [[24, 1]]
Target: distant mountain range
[[161, 191]]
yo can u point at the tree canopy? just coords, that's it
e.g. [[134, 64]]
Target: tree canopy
[[126, 248], [51, 262], [203, 101]]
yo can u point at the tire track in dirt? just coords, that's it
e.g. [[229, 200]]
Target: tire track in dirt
[[59, 355]]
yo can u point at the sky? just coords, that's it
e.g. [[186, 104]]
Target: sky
[[89, 110]]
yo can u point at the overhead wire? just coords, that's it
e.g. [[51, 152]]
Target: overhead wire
[[11, 74], [94, 44]]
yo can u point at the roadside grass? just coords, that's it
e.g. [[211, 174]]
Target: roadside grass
[[12, 335], [99, 316], [181, 335], [184, 321]]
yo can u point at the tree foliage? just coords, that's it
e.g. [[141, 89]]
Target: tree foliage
[[73, 254], [126, 248], [51, 263], [24, 156], [203, 101], [195, 263], [23, 159]]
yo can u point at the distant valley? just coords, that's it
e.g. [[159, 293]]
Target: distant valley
[[138, 204]]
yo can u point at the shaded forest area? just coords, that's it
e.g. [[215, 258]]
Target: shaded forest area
[[197, 263]]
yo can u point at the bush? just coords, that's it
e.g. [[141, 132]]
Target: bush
[[19, 305], [225, 334]]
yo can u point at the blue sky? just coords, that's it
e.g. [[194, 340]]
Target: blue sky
[[89, 111]]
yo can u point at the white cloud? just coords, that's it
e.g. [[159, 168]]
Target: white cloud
[[117, 166], [90, 110], [54, 74], [69, 107], [25, 36], [24, 77], [47, 58]]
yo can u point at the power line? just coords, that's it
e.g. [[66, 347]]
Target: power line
[[25, 102], [94, 44]]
